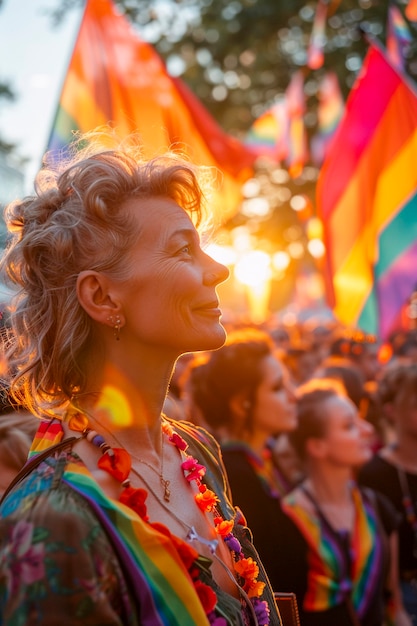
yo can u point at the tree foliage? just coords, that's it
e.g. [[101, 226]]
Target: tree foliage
[[238, 56]]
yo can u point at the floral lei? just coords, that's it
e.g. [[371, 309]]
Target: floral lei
[[117, 462]]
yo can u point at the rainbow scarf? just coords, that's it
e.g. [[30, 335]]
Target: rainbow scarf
[[333, 576], [159, 580], [272, 479]]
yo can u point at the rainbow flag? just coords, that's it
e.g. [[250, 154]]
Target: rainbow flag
[[329, 113], [297, 136], [115, 77], [367, 199], [267, 137], [398, 37], [331, 576]]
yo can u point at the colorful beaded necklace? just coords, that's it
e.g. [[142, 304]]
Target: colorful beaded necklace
[[117, 462]]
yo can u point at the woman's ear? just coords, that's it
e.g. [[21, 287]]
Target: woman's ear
[[95, 297], [240, 405], [316, 447]]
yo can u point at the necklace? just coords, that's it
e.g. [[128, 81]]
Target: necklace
[[117, 462], [164, 481], [192, 534]]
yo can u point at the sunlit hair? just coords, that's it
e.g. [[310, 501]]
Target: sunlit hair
[[77, 220], [398, 385], [312, 398], [233, 369]]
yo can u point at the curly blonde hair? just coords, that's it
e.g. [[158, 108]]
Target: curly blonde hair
[[76, 221]]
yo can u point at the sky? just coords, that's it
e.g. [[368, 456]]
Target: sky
[[34, 56]]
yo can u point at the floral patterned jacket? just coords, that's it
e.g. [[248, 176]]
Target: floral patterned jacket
[[66, 553]]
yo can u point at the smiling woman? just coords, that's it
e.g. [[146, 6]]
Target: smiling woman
[[113, 287]]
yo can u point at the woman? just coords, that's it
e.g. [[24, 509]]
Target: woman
[[129, 521], [244, 395], [393, 470], [333, 536]]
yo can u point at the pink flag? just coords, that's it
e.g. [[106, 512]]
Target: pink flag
[[315, 55]]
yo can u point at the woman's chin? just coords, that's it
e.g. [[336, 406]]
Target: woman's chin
[[212, 341]]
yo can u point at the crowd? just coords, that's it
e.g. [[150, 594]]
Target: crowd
[[182, 470]]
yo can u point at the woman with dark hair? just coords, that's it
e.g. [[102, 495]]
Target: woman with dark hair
[[393, 470], [122, 516], [244, 395], [333, 536]]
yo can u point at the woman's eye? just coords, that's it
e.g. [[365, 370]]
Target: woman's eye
[[186, 250]]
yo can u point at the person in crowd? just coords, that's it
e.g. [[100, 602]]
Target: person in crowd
[[362, 350], [393, 470], [17, 429], [122, 516], [335, 538], [342, 369], [301, 361], [244, 394], [403, 344]]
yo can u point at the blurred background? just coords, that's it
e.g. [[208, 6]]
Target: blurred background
[[245, 61]]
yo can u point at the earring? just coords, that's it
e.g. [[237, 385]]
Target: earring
[[116, 326]]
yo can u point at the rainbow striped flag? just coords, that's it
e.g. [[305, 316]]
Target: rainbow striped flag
[[297, 137], [367, 199], [268, 135], [329, 113], [116, 78], [398, 37]]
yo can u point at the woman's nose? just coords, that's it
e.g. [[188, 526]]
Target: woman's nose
[[216, 273], [366, 427]]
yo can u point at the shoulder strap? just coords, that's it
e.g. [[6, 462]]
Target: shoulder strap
[[37, 460]]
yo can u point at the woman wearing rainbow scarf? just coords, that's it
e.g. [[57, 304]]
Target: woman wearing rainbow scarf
[[334, 537], [121, 516]]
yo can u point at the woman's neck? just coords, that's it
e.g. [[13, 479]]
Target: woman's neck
[[329, 487], [129, 408], [403, 453], [255, 441]]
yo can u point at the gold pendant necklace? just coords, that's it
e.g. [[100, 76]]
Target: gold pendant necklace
[[165, 482]]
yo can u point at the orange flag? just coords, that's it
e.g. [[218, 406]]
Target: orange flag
[[411, 10], [115, 77]]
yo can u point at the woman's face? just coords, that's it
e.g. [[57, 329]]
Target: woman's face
[[274, 410], [404, 412], [347, 437], [170, 301]]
